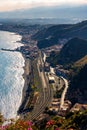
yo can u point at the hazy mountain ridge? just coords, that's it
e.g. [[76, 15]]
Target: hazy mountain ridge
[[63, 11]]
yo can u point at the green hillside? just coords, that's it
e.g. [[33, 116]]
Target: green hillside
[[77, 91], [74, 50], [51, 35], [81, 62], [73, 56]]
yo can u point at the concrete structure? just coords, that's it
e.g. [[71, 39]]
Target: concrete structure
[[65, 108], [79, 107], [51, 79], [55, 105], [54, 109]]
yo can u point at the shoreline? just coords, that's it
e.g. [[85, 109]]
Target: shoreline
[[26, 82], [26, 76]]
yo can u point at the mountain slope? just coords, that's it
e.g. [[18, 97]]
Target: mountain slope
[[73, 56], [72, 51], [52, 35], [77, 91], [81, 62]]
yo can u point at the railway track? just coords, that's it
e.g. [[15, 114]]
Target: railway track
[[45, 96]]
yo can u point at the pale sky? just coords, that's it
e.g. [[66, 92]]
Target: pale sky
[[7, 5]]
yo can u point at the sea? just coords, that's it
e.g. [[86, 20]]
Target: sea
[[11, 75]]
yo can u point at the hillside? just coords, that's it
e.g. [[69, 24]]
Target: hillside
[[73, 56], [77, 91], [51, 31], [81, 62], [72, 51], [52, 35]]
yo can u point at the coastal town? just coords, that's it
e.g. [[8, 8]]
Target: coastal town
[[43, 65], [45, 88], [48, 98]]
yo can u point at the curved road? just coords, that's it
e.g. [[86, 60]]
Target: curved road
[[64, 92]]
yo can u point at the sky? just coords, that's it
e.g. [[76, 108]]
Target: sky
[[9, 5]]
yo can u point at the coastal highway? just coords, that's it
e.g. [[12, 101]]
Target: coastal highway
[[64, 92], [60, 82], [45, 95]]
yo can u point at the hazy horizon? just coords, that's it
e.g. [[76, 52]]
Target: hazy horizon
[[11, 5], [33, 9], [59, 12]]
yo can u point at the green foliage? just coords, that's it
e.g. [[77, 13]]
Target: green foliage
[[76, 121], [74, 50], [53, 58], [78, 86]]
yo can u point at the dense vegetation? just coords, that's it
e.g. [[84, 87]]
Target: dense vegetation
[[78, 86], [72, 121], [72, 51], [53, 58]]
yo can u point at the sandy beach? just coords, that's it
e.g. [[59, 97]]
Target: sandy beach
[[26, 73], [27, 88]]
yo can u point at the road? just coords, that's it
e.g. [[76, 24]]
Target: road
[[59, 82], [46, 94], [44, 58], [64, 92]]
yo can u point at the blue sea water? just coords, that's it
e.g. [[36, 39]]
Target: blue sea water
[[11, 71]]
